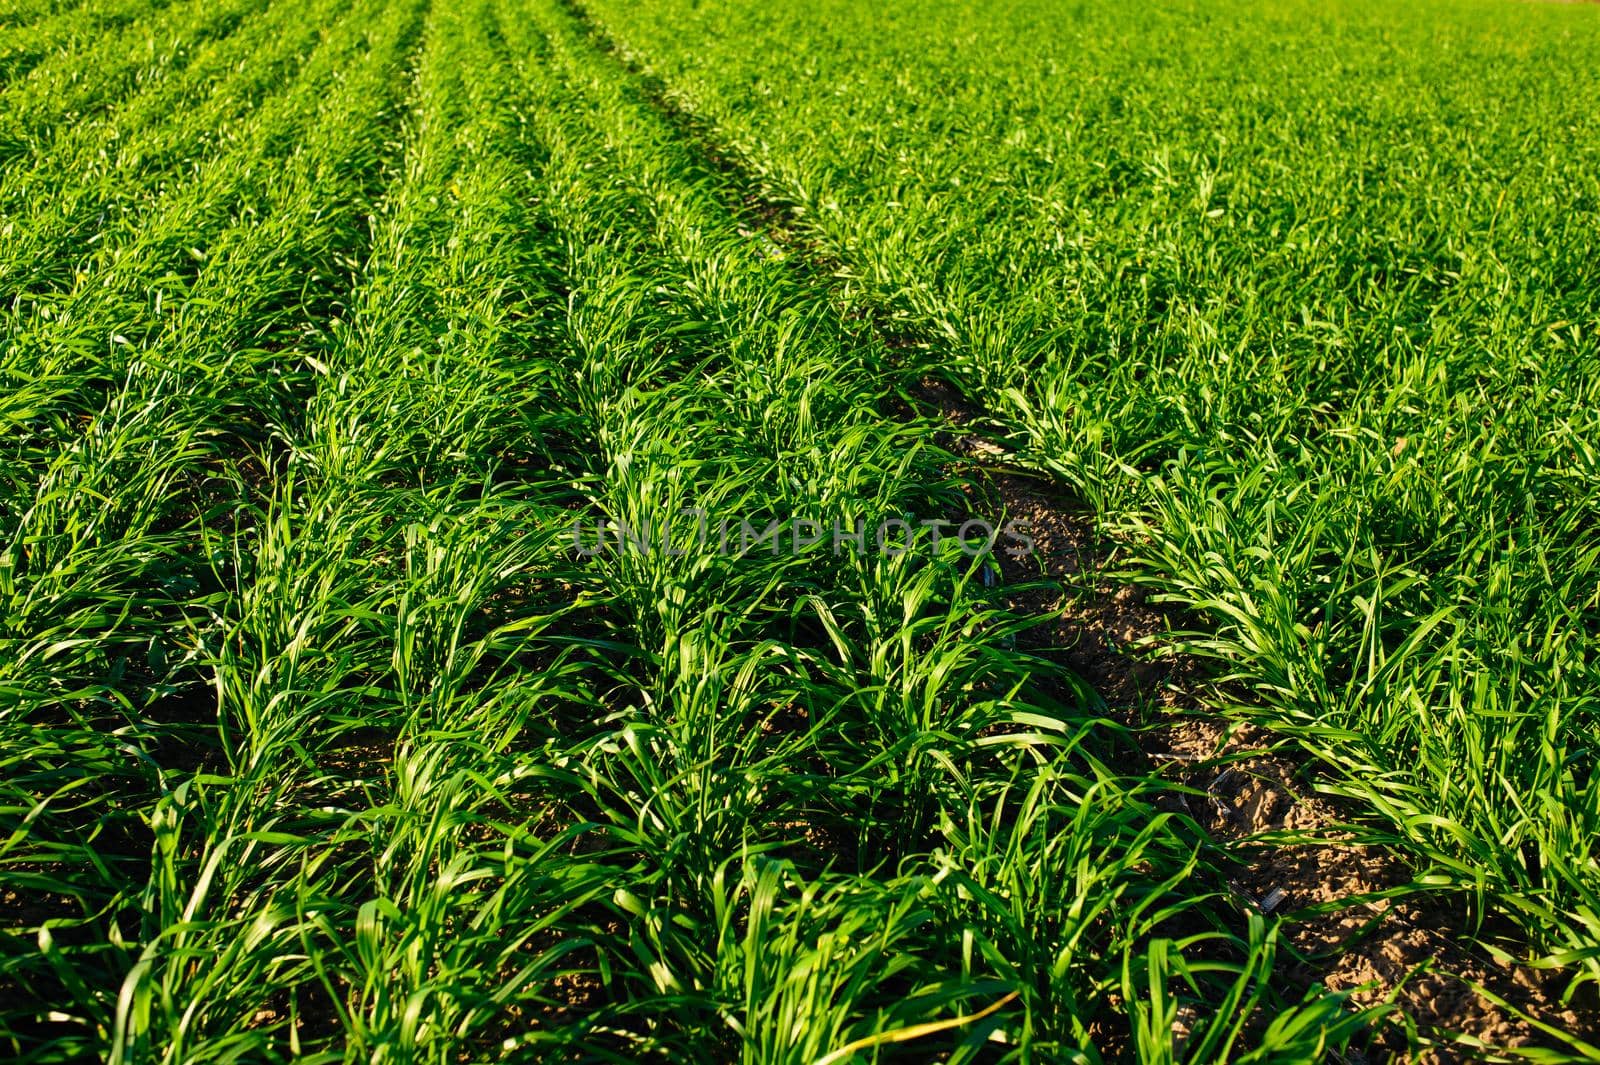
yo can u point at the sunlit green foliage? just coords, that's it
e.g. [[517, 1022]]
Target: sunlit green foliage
[[324, 322]]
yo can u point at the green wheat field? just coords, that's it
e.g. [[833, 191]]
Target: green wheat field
[[372, 372]]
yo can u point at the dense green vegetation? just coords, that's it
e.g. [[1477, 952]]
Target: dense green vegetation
[[325, 323], [1305, 300]]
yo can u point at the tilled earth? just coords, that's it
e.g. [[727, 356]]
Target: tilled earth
[[1351, 909]]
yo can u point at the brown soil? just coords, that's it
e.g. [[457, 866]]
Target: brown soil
[[1352, 909]]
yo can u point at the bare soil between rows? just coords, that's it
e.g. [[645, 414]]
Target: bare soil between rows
[[1369, 931]]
